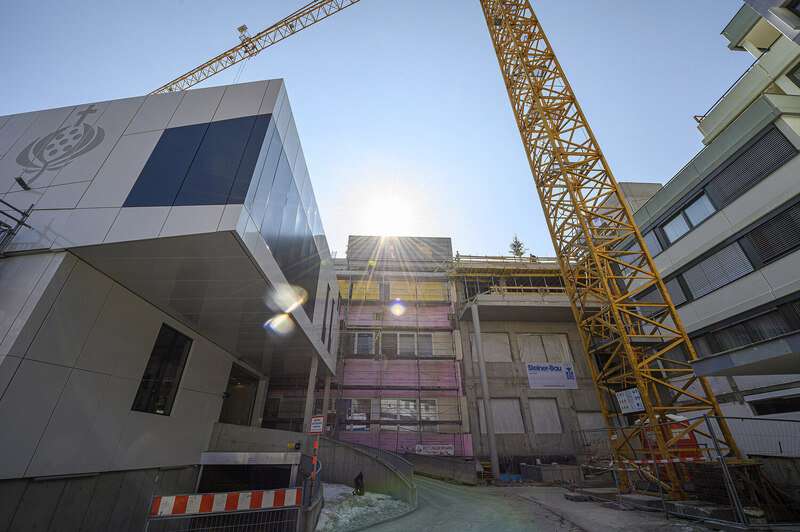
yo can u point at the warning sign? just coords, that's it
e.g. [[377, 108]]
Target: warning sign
[[630, 401], [317, 425]]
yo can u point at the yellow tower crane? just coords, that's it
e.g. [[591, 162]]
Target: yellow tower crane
[[633, 344]]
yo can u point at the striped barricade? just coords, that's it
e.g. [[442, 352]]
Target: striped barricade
[[213, 503]]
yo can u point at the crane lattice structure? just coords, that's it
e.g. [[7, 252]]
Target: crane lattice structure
[[302, 18], [631, 341]]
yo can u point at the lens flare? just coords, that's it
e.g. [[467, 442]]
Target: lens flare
[[286, 298], [281, 324], [397, 308]]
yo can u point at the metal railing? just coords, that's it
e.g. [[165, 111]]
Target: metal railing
[[527, 290], [761, 488]]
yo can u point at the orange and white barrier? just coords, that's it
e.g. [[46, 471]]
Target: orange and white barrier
[[225, 502]]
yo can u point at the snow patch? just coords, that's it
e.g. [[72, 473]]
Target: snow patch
[[343, 510]]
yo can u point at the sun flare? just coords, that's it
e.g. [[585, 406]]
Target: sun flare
[[390, 215]]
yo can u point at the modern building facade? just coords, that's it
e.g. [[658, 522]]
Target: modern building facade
[[172, 269], [398, 384], [724, 231]]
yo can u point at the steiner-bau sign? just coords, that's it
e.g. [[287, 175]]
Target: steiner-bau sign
[[551, 376]]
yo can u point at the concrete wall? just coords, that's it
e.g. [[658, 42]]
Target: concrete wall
[[71, 364], [239, 438], [118, 500], [508, 381], [341, 463], [462, 471]]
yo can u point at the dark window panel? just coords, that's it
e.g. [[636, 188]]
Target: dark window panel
[[162, 375], [267, 176], [776, 405], [777, 236], [165, 170], [250, 160], [210, 178], [255, 182]]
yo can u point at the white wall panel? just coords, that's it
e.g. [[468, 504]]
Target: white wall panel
[[782, 275], [25, 417], [33, 313], [113, 121], [137, 223], [155, 113], [62, 196], [496, 347], [45, 122], [71, 318], [191, 219], [116, 177], [531, 348], [197, 106], [86, 227], [44, 227], [106, 428], [544, 415], [243, 99], [207, 369], [139, 343], [14, 128], [557, 348], [19, 276], [61, 443], [506, 416], [230, 218], [3, 120], [8, 366], [102, 347], [272, 97]]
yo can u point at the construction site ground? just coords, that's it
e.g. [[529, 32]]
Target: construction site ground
[[445, 506]]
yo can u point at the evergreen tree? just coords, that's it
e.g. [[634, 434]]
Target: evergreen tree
[[516, 247]]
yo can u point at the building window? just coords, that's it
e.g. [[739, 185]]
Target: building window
[[721, 268], [676, 228], [162, 375], [425, 344], [356, 410], [794, 7], [699, 210], [776, 405], [399, 410], [365, 344], [430, 412], [758, 329], [777, 236], [652, 243]]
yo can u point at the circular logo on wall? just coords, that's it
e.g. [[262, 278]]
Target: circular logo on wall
[[57, 149]]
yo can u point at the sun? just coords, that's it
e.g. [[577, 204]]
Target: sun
[[390, 215]]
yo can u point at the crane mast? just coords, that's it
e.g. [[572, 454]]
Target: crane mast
[[606, 266]]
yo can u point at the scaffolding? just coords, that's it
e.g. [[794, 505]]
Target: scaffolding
[[398, 379]]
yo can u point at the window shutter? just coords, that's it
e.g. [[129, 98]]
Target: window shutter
[[721, 268], [753, 165], [777, 236]]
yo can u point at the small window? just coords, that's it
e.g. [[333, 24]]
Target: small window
[[389, 343], [365, 344], [425, 344], [162, 375], [699, 210], [701, 346], [676, 228], [652, 243], [430, 412], [794, 7], [406, 344], [776, 405]]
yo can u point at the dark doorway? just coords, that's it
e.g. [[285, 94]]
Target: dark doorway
[[237, 407], [271, 410]]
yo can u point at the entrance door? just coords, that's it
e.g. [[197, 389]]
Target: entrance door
[[237, 407]]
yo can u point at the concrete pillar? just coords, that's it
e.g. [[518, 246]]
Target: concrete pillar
[[487, 409], [259, 403], [312, 381], [326, 397]]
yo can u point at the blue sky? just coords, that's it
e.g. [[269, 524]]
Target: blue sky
[[402, 112]]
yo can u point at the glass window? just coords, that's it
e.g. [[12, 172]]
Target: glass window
[[399, 410], [365, 343], [162, 375], [776, 405], [699, 210], [425, 344], [701, 346], [652, 243], [252, 156], [430, 412], [389, 343], [357, 410], [676, 228], [733, 337], [210, 178], [768, 326], [406, 344], [162, 175], [266, 176]]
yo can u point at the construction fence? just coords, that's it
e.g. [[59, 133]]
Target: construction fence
[[762, 487]]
